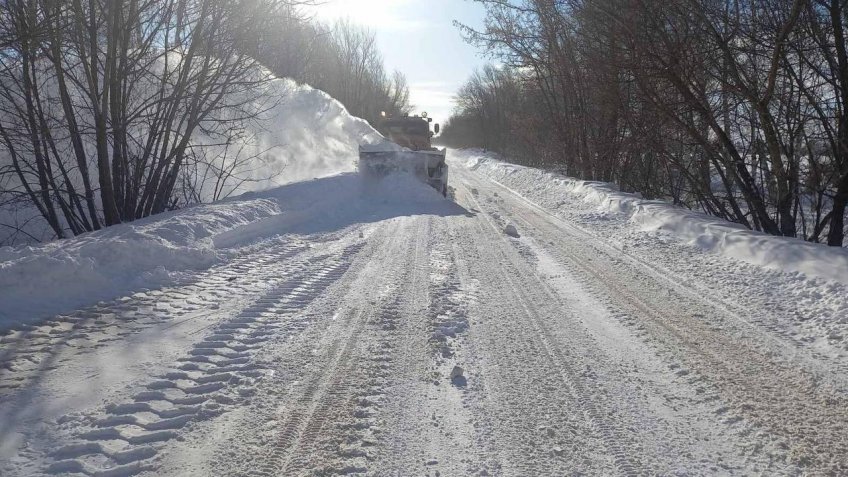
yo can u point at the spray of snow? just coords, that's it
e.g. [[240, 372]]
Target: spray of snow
[[307, 134], [300, 133]]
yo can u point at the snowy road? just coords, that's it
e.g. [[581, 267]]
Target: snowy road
[[423, 340]]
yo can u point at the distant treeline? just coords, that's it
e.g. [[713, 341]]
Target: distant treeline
[[734, 107], [341, 59]]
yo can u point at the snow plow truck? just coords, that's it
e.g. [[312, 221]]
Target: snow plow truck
[[409, 151]]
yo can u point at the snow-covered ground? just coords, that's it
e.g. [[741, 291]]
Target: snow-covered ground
[[167, 249], [705, 232], [529, 325], [807, 282]]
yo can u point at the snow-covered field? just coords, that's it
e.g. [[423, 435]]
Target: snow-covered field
[[529, 325]]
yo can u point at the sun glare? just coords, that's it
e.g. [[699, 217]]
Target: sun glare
[[371, 13]]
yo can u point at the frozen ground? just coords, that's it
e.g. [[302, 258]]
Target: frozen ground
[[331, 327]]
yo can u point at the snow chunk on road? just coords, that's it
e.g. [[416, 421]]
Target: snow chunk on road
[[456, 372], [457, 377]]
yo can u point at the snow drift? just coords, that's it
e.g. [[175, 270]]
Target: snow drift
[[102, 265], [162, 249], [696, 229]]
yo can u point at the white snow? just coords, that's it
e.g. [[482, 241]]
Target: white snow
[[157, 251], [705, 232], [792, 288], [457, 372], [346, 304], [312, 134], [382, 147], [148, 253]]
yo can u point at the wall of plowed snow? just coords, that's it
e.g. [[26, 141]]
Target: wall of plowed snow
[[696, 229], [101, 265]]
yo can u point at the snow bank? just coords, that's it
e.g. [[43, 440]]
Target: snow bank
[[98, 266], [160, 250], [700, 230]]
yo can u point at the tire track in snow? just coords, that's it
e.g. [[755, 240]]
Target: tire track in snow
[[329, 429], [740, 312], [451, 445], [330, 417], [753, 386], [308, 415], [535, 302], [425, 428], [31, 350], [393, 362], [220, 371]]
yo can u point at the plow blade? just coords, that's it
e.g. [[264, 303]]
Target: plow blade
[[428, 166]]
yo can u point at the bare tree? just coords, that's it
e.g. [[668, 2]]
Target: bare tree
[[736, 107], [342, 59], [100, 100]]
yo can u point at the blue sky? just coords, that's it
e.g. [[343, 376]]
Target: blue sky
[[418, 38]]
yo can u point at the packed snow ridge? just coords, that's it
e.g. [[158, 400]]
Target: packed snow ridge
[[703, 231]]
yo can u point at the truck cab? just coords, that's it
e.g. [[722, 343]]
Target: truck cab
[[411, 132]]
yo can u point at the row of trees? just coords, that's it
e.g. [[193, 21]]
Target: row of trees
[[341, 59], [99, 100], [102, 101], [735, 107]]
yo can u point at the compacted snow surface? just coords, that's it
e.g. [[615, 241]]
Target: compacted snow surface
[[527, 325]]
